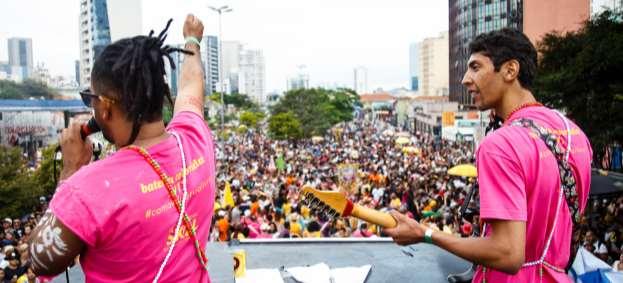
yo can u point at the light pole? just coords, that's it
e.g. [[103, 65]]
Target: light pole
[[220, 11]]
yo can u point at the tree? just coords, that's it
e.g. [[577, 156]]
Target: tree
[[344, 100], [238, 100], [251, 119], [318, 109], [45, 176], [18, 191], [580, 73], [25, 90], [284, 126]]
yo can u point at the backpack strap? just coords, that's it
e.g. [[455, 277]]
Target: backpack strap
[[567, 180]]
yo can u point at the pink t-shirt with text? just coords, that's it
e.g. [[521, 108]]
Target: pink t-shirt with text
[[519, 180], [121, 210]]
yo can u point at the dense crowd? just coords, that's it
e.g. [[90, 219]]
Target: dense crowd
[[14, 249], [602, 230], [265, 177]]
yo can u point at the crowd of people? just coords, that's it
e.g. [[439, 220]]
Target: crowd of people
[[14, 247], [264, 176], [602, 231]]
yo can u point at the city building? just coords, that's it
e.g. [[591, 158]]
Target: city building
[[5, 70], [272, 98], [103, 22], [361, 80], [20, 58], [33, 123], [173, 75], [433, 66], [378, 106], [42, 74], [468, 18], [77, 71], [426, 113], [94, 35], [414, 66], [252, 75], [300, 80], [210, 59], [231, 65]]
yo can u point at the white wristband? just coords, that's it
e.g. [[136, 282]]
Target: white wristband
[[192, 39], [428, 236]]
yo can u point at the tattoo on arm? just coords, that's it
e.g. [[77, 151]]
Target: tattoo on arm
[[52, 246]]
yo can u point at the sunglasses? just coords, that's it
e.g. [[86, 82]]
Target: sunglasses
[[87, 97]]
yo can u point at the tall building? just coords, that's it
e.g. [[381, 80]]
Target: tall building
[[535, 18], [252, 75], [210, 59], [20, 57], [103, 22], [231, 65], [173, 75], [94, 35], [77, 72], [361, 80], [299, 80], [414, 66], [433, 66], [5, 70]]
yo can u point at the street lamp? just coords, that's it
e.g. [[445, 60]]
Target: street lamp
[[221, 10]]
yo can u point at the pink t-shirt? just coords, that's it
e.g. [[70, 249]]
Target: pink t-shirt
[[121, 210], [519, 180]]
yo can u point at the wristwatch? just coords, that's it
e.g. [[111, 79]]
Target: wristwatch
[[428, 236]]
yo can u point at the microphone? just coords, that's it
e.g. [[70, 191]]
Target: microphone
[[89, 128], [86, 130]]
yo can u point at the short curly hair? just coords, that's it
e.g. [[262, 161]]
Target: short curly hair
[[508, 44]]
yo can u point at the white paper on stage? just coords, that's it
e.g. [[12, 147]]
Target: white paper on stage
[[261, 275], [350, 274], [320, 273]]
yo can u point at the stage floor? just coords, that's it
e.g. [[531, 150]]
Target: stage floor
[[390, 263]]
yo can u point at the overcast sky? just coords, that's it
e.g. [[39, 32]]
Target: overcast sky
[[330, 37]]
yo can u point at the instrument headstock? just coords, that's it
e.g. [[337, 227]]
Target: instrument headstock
[[331, 203]]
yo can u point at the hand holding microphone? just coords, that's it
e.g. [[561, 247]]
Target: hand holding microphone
[[76, 149]]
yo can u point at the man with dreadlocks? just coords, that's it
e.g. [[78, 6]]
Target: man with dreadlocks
[[143, 213]]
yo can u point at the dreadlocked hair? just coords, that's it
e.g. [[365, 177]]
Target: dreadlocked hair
[[133, 68]]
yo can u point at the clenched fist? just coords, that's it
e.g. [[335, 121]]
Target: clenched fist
[[193, 27]]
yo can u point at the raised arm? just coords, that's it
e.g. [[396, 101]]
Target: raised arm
[[191, 94]]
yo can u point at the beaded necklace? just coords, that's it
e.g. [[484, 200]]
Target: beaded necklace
[[180, 206], [525, 105]]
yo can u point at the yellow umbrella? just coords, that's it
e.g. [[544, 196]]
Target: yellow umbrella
[[402, 140], [317, 138], [410, 149], [463, 170]]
